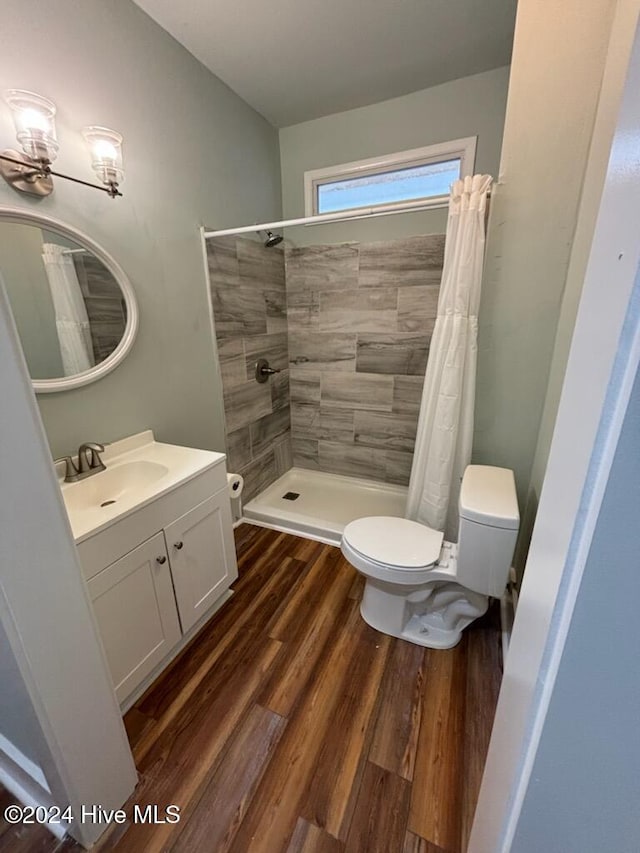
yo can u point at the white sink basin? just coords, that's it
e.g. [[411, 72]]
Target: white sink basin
[[139, 469], [113, 485]]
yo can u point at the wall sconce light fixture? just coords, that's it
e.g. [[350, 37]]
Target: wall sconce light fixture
[[30, 170]]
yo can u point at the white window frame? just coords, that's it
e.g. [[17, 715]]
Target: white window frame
[[465, 149]]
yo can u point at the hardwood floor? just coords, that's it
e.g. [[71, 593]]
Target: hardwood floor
[[291, 726]]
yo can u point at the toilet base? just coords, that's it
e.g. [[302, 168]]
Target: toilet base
[[432, 615]]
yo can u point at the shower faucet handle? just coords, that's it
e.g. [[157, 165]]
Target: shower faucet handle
[[263, 371]]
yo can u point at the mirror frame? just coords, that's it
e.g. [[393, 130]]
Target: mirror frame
[[98, 371]]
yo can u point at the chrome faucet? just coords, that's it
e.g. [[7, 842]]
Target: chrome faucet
[[86, 466]]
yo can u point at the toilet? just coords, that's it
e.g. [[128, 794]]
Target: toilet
[[424, 590]]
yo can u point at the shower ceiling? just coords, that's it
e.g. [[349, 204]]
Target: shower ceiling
[[294, 60]]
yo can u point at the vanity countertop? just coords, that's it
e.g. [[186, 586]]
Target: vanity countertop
[[139, 470]]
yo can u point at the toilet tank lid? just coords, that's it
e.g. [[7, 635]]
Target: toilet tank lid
[[488, 496]]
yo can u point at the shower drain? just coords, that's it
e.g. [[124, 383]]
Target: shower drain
[[107, 503], [291, 496]]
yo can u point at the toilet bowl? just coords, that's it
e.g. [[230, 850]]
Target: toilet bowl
[[423, 589]]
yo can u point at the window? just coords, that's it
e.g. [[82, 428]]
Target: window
[[404, 180]]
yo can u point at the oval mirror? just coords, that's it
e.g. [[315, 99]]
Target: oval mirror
[[73, 305]]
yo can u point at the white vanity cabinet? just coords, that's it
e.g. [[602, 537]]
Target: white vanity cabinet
[[156, 575], [135, 609]]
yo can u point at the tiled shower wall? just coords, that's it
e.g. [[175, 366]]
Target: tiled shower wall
[[360, 319], [248, 298], [105, 306]]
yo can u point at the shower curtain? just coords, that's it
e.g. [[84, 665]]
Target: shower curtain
[[72, 322], [445, 426]]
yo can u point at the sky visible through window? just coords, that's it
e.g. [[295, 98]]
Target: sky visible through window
[[397, 185]]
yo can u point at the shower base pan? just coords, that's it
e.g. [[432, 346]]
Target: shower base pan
[[319, 505]]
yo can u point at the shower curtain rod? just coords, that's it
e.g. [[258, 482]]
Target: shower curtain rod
[[366, 213]]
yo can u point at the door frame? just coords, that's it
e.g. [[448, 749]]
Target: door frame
[[603, 362]]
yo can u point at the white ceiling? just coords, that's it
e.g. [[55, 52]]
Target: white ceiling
[[293, 60]]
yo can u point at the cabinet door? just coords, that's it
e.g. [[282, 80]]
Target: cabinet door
[[203, 557], [135, 608]]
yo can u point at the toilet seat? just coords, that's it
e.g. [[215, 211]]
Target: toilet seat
[[395, 550]]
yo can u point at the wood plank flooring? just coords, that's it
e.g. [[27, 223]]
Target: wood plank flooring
[[290, 726]]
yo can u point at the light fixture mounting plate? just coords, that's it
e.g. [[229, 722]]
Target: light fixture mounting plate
[[25, 177]]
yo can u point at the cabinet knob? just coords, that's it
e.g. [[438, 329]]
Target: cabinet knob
[[161, 560], [179, 545]]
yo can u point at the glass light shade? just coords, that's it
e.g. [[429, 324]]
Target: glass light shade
[[34, 118], [106, 153]]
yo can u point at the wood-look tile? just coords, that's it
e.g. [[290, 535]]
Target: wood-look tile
[[386, 430], [283, 455], [267, 429], [395, 737], [238, 448], [222, 261], [177, 772], [309, 838], [407, 394], [484, 668], [303, 310], [351, 460], [244, 535], [352, 663], [322, 351], [246, 403], [229, 348], [374, 310], [233, 371], [105, 309], [276, 306], [271, 347], [260, 266], [331, 795], [436, 796], [306, 637], [405, 262], [294, 613], [259, 474], [97, 279], [305, 420], [397, 466], [392, 353], [415, 844], [280, 392], [322, 267], [357, 391], [305, 452], [305, 386], [231, 787], [357, 587], [336, 424], [418, 308], [238, 311], [380, 817]]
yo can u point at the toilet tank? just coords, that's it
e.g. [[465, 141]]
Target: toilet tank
[[489, 522]]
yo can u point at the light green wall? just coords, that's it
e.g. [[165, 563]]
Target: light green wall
[[553, 97], [618, 54], [194, 154], [471, 106]]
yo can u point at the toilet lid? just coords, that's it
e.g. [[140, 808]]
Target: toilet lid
[[395, 542]]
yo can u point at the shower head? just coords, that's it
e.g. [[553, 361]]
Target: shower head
[[272, 239]]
